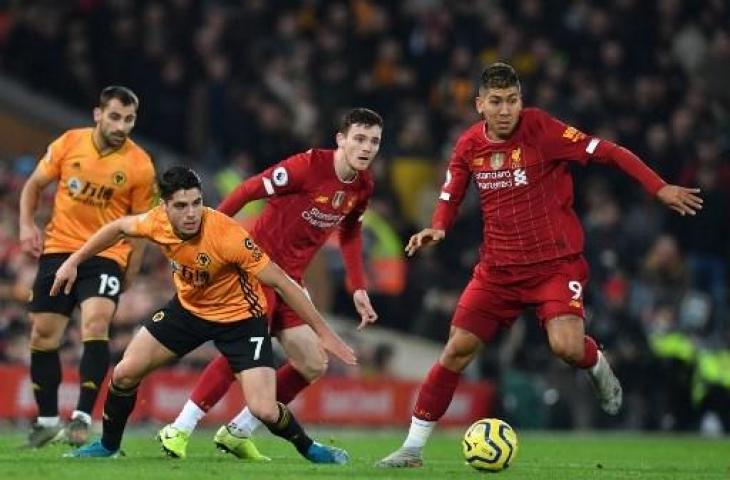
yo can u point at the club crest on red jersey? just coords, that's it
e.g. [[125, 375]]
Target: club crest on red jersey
[[350, 204], [321, 199], [497, 160], [516, 158], [337, 199], [478, 162]]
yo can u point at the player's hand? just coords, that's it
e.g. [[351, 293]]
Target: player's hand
[[364, 308], [65, 278], [335, 345], [30, 240], [425, 237], [680, 199]]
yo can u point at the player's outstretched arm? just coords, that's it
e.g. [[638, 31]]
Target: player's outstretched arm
[[30, 235], [427, 236], [295, 297], [104, 238], [134, 262], [684, 201]]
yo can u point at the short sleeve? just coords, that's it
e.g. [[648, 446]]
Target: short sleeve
[[240, 249], [144, 224], [50, 163], [563, 142]]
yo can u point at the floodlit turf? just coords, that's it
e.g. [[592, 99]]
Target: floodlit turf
[[541, 456]]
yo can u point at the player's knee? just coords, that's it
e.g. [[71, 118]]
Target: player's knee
[[44, 337], [96, 327], [126, 376], [265, 410], [571, 352], [457, 355], [312, 367]]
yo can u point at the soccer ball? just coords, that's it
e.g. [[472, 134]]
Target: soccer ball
[[490, 445]]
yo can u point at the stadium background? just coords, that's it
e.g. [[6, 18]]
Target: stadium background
[[229, 87]]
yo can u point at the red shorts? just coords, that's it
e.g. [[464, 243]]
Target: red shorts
[[495, 297], [280, 314]]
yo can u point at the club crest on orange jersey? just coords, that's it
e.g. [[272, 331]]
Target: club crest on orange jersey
[[202, 260], [338, 199], [516, 158], [497, 160], [119, 178]]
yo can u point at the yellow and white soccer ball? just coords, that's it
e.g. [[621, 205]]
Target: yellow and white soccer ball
[[490, 444]]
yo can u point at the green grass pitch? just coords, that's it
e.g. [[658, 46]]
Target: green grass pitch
[[541, 456]]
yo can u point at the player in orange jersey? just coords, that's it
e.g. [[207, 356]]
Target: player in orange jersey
[[102, 175], [218, 272]]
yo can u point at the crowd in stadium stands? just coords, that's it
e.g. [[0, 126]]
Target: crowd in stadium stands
[[235, 86]]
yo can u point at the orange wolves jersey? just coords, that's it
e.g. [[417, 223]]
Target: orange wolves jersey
[[94, 189], [214, 272]]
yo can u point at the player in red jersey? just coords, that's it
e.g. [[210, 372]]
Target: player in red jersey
[[533, 242], [310, 195]]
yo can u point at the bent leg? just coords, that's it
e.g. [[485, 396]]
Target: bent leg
[[307, 363], [568, 341], [143, 355], [259, 389]]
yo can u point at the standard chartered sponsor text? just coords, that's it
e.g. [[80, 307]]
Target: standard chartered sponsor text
[[321, 219]]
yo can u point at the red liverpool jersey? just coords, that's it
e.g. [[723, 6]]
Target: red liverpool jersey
[[525, 187], [306, 203]]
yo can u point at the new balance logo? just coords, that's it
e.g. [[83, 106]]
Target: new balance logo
[[520, 176]]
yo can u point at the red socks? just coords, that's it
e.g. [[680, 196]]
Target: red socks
[[590, 354], [289, 383], [436, 393], [212, 384]]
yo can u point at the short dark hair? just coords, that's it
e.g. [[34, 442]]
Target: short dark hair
[[499, 75], [123, 94], [178, 178], [360, 116]]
